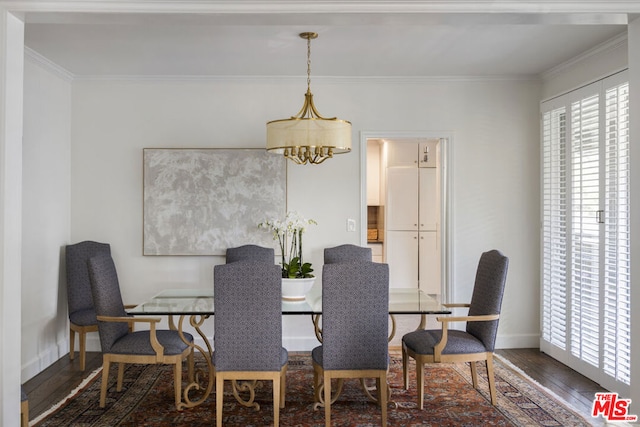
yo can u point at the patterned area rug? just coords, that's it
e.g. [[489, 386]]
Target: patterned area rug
[[147, 400]]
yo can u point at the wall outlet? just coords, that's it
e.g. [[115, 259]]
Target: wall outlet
[[351, 224]]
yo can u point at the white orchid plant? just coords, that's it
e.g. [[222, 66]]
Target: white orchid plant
[[289, 233]]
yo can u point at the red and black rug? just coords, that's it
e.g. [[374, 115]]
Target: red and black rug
[[147, 400]]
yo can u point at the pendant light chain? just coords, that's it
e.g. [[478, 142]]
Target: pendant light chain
[[309, 64]]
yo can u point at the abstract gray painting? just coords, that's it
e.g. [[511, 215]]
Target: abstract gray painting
[[202, 201]]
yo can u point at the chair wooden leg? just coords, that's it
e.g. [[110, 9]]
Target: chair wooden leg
[[382, 397], [491, 378], [24, 413], [83, 346], [405, 373], [420, 383], [283, 386], [105, 380], [474, 374], [327, 400], [72, 344], [120, 376], [276, 401], [219, 399]]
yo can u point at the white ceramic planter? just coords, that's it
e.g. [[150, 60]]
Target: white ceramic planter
[[296, 289]]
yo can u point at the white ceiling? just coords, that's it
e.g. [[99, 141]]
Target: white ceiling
[[349, 44]]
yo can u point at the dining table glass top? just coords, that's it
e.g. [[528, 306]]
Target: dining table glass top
[[201, 302]]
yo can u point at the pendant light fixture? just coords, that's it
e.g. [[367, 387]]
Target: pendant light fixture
[[308, 137]]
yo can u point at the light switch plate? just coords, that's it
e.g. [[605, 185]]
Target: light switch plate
[[351, 224]]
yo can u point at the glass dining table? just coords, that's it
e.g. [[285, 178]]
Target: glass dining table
[[197, 305]]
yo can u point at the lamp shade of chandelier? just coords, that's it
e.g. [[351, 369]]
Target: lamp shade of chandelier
[[309, 137]]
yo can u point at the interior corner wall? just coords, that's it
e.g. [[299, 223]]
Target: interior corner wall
[[45, 219], [495, 183]]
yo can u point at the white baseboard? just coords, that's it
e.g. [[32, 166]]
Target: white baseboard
[[518, 341]]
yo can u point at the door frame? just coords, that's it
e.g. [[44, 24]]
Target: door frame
[[446, 208]]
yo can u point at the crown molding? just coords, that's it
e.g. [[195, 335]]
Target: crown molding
[[323, 6], [49, 65], [596, 50], [296, 79]]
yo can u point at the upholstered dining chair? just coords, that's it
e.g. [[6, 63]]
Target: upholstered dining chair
[[355, 307], [476, 342], [82, 316], [251, 253], [119, 344], [346, 253], [248, 330]]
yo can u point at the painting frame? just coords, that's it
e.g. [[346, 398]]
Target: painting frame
[[201, 201]]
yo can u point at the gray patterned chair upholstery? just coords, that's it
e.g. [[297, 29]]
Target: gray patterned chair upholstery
[[251, 253], [24, 408], [119, 344], [355, 307], [346, 253], [82, 316], [477, 342], [248, 329]]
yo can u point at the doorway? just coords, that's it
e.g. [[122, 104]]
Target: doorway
[[406, 208]]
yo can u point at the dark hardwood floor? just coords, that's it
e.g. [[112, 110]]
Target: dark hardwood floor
[[57, 381]]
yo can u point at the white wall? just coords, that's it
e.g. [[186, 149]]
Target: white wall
[[495, 171], [45, 220], [11, 80]]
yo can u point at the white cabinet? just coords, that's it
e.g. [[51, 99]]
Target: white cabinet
[[412, 199], [402, 258], [414, 260], [429, 262], [413, 216], [373, 174], [376, 252], [428, 200], [406, 154], [402, 154], [402, 199]]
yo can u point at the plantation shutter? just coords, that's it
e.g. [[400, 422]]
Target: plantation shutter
[[617, 281], [585, 240], [554, 232], [585, 230]]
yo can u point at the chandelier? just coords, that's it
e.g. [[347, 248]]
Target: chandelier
[[308, 137]]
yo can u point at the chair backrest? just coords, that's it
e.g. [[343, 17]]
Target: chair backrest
[[355, 313], [251, 253], [78, 284], [346, 253], [487, 296], [248, 316], [107, 299]]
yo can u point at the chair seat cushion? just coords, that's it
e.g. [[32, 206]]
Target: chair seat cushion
[[458, 342], [284, 357], [86, 317], [138, 343]]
